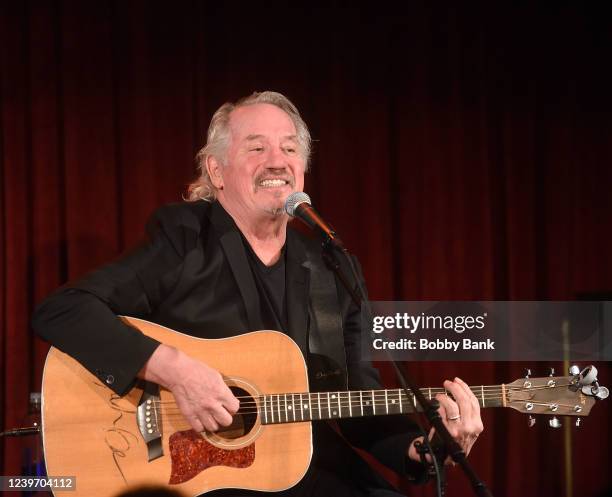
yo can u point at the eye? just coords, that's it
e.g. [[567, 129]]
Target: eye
[[256, 149], [290, 150]]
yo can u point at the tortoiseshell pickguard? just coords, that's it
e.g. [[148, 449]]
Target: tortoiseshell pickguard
[[191, 454]]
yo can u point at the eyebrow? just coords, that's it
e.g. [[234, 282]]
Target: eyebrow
[[259, 137]]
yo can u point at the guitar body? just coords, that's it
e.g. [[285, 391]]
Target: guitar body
[[93, 434]]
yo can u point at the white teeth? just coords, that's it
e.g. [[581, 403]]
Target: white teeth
[[273, 182]]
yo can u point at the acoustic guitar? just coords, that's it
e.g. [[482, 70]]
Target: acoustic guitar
[[110, 442]]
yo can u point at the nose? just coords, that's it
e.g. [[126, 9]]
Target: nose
[[276, 159]]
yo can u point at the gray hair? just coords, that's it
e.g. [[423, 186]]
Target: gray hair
[[218, 139]]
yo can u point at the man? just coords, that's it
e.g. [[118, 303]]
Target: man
[[225, 263]]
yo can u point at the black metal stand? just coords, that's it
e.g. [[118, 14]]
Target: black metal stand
[[430, 408]]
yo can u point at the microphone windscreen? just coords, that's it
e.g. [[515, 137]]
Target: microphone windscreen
[[295, 199]]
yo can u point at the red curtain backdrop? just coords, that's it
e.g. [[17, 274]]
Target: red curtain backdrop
[[462, 152]]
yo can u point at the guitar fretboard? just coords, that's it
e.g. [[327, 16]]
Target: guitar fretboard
[[297, 407]]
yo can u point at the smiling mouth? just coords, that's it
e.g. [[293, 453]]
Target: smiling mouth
[[273, 183]]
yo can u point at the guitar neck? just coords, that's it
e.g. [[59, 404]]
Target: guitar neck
[[297, 407]]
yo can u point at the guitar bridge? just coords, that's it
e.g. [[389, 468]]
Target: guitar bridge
[[149, 420]]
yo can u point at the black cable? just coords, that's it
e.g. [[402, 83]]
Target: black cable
[[454, 449], [428, 448]]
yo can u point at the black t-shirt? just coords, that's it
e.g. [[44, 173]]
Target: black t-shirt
[[270, 281]]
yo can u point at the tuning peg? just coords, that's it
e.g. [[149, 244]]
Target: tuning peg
[[588, 375], [601, 392], [527, 383], [574, 370], [552, 372], [578, 422], [554, 422], [531, 421]]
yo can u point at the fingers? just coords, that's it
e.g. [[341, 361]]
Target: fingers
[[222, 417], [216, 404], [202, 396], [462, 398], [224, 405], [228, 400], [450, 414], [461, 416], [210, 423], [198, 422], [475, 402], [204, 421], [195, 423], [473, 422], [203, 416]]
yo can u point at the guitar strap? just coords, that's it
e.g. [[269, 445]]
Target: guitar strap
[[327, 357]]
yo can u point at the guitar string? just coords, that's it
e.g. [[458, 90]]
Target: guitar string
[[490, 394], [378, 399], [477, 392], [313, 398], [342, 405], [287, 414], [246, 408], [475, 388], [440, 389], [327, 407], [270, 407]]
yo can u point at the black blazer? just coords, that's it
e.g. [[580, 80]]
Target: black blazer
[[192, 275]]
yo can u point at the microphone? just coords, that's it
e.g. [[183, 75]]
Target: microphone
[[298, 205]]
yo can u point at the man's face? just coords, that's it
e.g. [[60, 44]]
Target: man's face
[[263, 163]]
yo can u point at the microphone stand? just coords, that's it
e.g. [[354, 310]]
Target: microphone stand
[[430, 408]]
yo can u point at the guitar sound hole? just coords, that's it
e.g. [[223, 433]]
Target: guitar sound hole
[[244, 420]]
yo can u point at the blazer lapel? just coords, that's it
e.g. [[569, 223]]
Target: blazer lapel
[[231, 241], [297, 281]]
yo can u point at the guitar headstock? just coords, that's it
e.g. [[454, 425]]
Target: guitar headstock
[[572, 395]]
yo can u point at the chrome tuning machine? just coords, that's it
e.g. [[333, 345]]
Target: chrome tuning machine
[[587, 379]]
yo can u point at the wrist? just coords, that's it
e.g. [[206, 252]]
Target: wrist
[[161, 366]]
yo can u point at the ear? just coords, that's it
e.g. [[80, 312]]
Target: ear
[[214, 170]]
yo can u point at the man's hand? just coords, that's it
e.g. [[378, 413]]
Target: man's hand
[[200, 392], [460, 416]]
